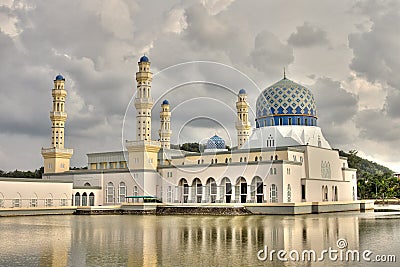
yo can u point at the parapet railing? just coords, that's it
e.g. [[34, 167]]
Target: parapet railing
[[34, 202]]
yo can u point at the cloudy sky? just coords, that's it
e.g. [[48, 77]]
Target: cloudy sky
[[202, 52]]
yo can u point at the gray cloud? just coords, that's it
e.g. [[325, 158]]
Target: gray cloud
[[376, 50], [96, 45], [270, 55], [336, 108], [339, 107], [308, 35]]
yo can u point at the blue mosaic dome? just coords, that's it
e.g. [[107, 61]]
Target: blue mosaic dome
[[144, 59], [215, 142], [165, 102], [242, 92], [59, 77], [286, 103]]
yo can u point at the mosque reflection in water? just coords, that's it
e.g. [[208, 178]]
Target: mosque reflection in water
[[170, 240]]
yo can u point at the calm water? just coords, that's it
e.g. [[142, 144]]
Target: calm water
[[130, 240]]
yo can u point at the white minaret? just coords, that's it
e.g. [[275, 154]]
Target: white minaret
[[57, 158], [242, 125], [143, 100], [165, 128]]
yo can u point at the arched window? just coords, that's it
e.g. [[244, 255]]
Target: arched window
[[77, 199], [212, 161], [260, 158], [91, 199], [110, 193], [256, 158], [241, 159], [273, 193], [169, 194], [135, 191], [325, 193], [121, 192], [1, 200], [49, 200], [34, 201], [289, 193], [272, 157], [230, 160], [64, 200], [276, 157], [84, 199], [336, 194], [245, 159], [226, 160], [87, 184]]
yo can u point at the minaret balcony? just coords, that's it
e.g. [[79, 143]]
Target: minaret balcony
[[57, 150], [143, 76], [148, 100], [240, 124], [58, 115], [59, 92]]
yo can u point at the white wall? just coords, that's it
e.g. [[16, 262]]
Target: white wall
[[23, 191]]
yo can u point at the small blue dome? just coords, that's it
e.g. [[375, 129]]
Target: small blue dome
[[144, 59], [165, 102], [242, 92], [215, 142], [59, 77]]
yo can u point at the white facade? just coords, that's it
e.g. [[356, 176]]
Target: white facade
[[285, 160]]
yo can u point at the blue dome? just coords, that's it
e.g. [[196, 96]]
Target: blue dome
[[59, 77], [286, 103], [215, 142], [144, 59], [242, 92], [165, 102]]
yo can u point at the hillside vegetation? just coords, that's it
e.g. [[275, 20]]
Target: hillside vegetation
[[374, 180]]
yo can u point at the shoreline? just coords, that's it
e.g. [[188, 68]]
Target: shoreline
[[220, 209]]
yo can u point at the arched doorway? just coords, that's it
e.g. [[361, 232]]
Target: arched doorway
[[183, 190], [211, 190], [257, 190], [197, 189], [241, 189], [226, 190]]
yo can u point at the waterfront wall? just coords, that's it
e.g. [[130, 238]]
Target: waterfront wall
[[214, 209]]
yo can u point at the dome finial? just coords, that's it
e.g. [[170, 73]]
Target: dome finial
[[284, 73]]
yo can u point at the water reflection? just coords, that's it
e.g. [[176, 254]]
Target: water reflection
[[184, 240]]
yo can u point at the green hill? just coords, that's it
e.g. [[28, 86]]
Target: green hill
[[363, 166], [374, 180]]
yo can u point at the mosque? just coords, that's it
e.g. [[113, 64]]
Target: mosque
[[283, 159]]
